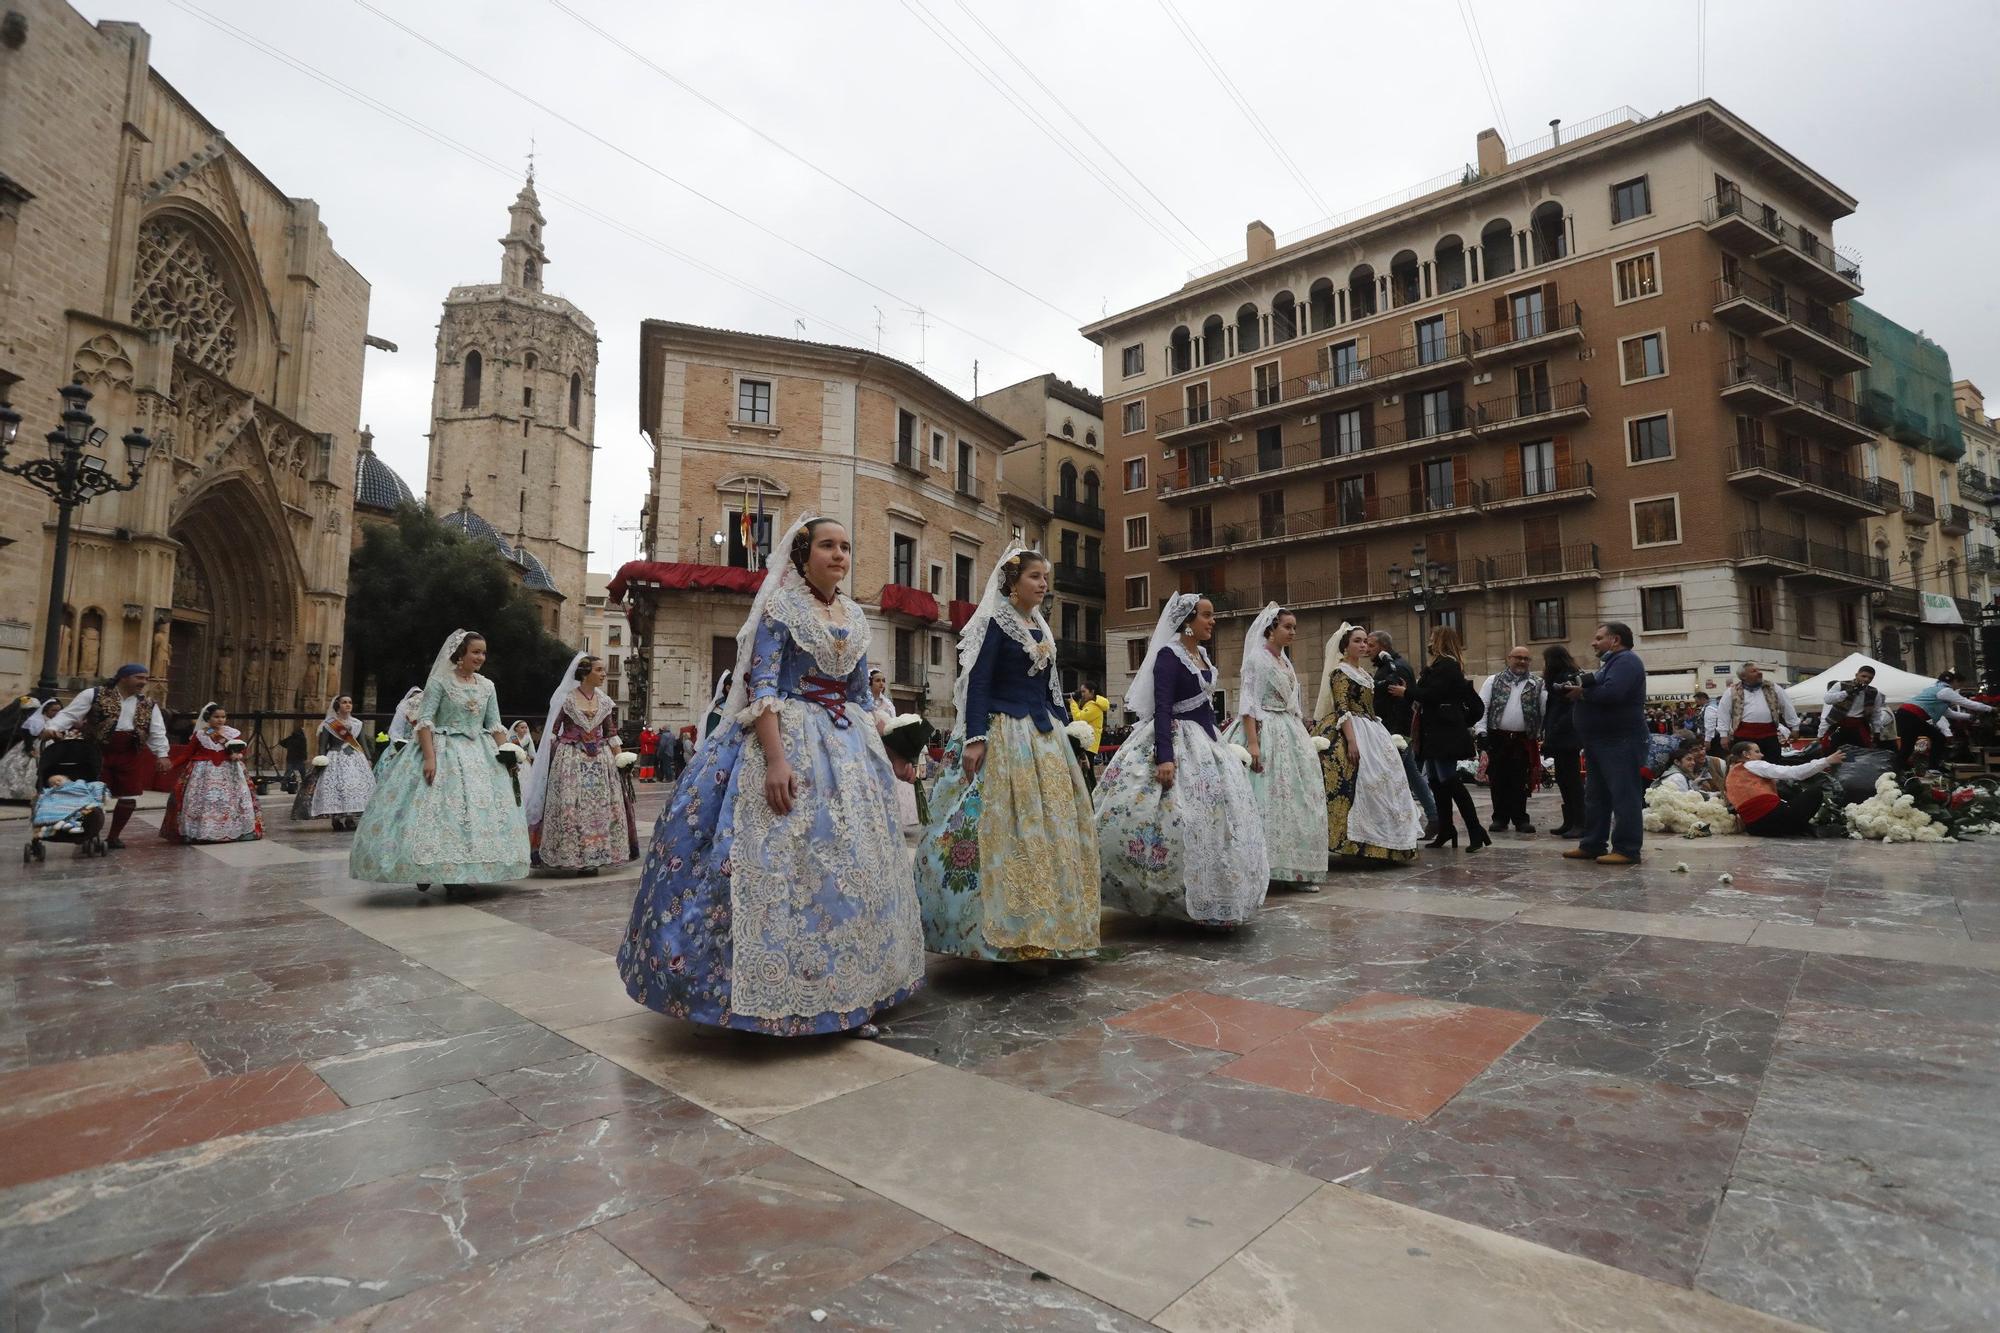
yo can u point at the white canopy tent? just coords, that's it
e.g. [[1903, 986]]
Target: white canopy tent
[[1897, 686]]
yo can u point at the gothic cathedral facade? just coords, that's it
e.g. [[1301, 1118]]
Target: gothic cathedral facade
[[514, 408]]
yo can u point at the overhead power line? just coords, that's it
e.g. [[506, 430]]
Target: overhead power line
[[1487, 78], [512, 89], [508, 170], [1021, 104], [801, 159], [1235, 95], [1062, 106]]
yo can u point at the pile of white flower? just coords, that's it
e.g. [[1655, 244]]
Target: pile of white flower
[[1691, 814], [1891, 816]]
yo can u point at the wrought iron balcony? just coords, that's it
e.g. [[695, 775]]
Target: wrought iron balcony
[[1804, 327], [1765, 471], [1541, 564], [1534, 486], [1568, 401], [1756, 385], [1076, 579], [1781, 245], [1975, 484], [1900, 604], [1536, 332], [1919, 508], [1081, 512], [1955, 518]]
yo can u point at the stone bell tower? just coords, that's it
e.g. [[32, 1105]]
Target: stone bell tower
[[514, 407]]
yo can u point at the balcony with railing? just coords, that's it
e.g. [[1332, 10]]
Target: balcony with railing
[[1752, 384], [909, 457], [1085, 653], [1538, 486], [1805, 328], [1431, 357], [1900, 604], [1810, 561], [1840, 565], [970, 487], [1763, 548], [1208, 415], [1982, 560], [1540, 564], [1975, 484], [1076, 579], [1919, 508], [1523, 334], [1780, 473], [1954, 519], [1081, 512], [1781, 245], [1370, 514], [1303, 458], [1554, 405]]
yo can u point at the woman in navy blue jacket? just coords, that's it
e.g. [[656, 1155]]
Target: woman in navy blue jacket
[[1007, 870]]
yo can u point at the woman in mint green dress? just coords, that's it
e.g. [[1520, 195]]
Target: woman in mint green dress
[[454, 817]]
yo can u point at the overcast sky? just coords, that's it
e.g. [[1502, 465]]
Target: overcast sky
[[1896, 104]]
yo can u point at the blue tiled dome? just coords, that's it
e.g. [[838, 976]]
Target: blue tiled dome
[[538, 574], [477, 528], [376, 484]]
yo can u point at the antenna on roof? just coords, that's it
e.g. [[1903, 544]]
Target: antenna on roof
[[923, 333]]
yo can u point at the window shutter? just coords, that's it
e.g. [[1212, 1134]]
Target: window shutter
[[1361, 350], [1368, 505], [1325, 360], [1416, 486], [1461, 480], [1633, 357], [1549, 305], [1562, 459], [1500, 320], [1512, 472], [1368, 425]]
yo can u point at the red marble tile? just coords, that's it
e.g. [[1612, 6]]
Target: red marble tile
[[1218, 1022], [45, 1089], [124, 1128], [1386, 1053]]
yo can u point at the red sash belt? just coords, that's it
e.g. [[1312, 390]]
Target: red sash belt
[[1756, 731], [828, 694]]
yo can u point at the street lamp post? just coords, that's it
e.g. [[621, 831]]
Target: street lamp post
[[71, 478], [1425, 581]]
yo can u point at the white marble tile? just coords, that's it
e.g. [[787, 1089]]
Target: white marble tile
[[1123, 1213], [1715, 929]]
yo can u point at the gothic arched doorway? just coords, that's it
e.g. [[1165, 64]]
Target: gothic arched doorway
[[236, 589]]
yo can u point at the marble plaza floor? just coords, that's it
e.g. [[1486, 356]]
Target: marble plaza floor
[[1505, 1091]]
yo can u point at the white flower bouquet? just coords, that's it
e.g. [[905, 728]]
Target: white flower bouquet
[[1402, 742], [234, 749], [320, 761], [1691, 814], [1891, 815], [626, 758], [1079, 732], [1322, 744], [510, 756], [908, 736], [1242, 755]]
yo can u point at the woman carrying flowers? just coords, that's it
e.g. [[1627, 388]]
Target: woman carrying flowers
[[346, 780], [775, 897], [579, 811], [210, 799], [1284, 765], [1007, 870], [454, 818], [1370, 813]]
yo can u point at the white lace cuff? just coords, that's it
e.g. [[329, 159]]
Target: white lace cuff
[[756, 708]]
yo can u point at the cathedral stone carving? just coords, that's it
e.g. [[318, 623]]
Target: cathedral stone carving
[[181, 291]]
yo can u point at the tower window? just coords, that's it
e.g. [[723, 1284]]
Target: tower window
[[469, 396], [528, 273], [575, 399], [524, 462], [529, 362], [527, 396]]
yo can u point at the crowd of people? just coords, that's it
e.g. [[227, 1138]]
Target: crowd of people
[[777, 894]]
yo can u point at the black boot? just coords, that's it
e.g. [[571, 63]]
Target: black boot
[[1476, 837]]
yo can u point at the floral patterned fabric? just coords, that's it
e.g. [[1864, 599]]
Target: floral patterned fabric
[[1350, 697], [1008, 868], [211, 800], [464, 828], [586, 812], [347, 782], [1290, 792], [789, 924], [17, 772], [1193, 852]]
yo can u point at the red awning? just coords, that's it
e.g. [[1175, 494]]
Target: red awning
[[960, 613], [673, 574], [899, 600]]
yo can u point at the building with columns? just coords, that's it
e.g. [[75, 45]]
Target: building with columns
[[202, 303], [750, 431], [513, 411]]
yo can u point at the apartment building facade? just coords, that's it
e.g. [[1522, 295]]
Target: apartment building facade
[[1059, 465], [749, 432], [1605, 376], [1979, 491], [607, 634]]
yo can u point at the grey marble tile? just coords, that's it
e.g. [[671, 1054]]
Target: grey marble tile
[[956, 1284], [1330, 1140], [1848, 1269], [429, 1062], [74, 1220]]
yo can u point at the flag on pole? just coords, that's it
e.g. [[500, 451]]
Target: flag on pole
[[762, 554]]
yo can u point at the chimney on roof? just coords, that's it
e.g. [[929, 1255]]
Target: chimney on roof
[[1556, 132], [1491, 154], [1259, 241]]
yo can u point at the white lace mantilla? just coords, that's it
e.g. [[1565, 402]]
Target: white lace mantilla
[[836, 655], [1041, 653]]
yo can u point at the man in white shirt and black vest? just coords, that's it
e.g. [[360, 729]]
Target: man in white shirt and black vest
[[1512, 732], [1753, 709], [128, 731]]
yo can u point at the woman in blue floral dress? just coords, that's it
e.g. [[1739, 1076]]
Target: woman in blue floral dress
[[1179, 833], [775, 896], [455, 817], [1007, 870]]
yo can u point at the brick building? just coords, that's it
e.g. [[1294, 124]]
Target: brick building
[[204, 304], [1059, 464], [750, 431], [1602, 376]]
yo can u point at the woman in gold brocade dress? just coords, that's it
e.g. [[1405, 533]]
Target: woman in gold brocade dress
[[1370, 813]]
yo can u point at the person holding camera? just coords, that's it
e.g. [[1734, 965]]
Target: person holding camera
[[1394, 679], [1849, 716], [1446, 710], [1609, 706]]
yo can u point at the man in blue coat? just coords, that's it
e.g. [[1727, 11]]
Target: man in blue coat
[[1610, 716]]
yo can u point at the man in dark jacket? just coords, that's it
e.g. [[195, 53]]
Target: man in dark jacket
[[1610, 715], [1395, 711]]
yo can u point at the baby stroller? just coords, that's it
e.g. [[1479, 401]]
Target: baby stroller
[[72, 811]]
